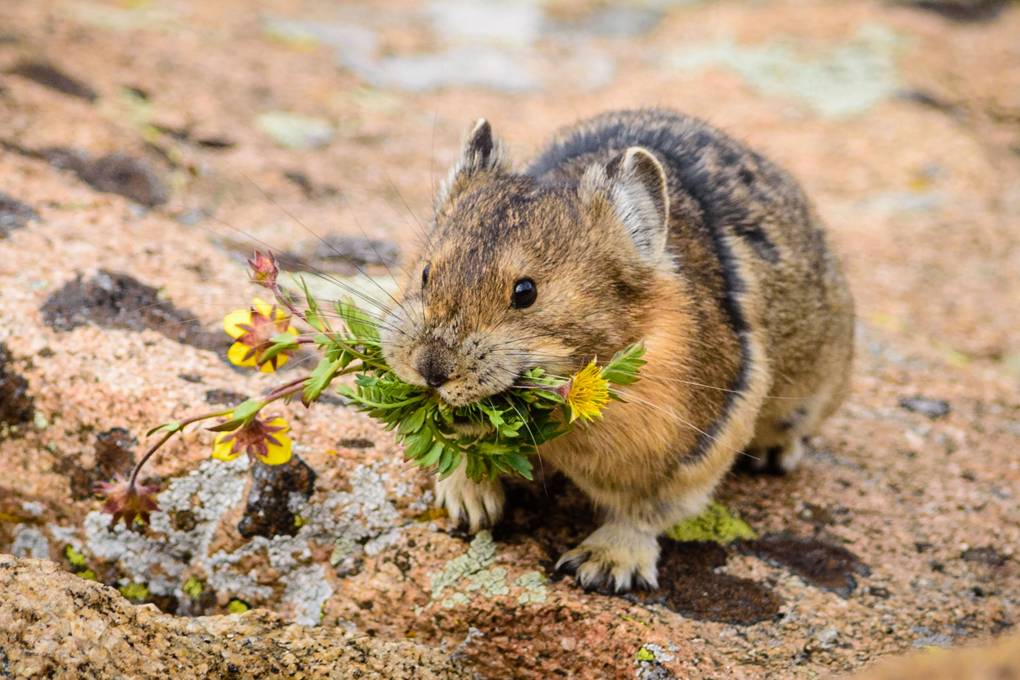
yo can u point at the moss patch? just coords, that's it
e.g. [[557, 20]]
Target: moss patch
[[136, 592], [74, 557], [193, 588], [237, 606], [715, 523]]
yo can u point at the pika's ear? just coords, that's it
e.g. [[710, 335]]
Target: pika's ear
[[481, 153], [634, 183]]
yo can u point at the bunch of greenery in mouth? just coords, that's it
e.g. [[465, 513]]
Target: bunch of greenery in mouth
[[494, 436]]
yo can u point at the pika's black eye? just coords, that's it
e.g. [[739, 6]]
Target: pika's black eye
[[425, 275], [524, 295]]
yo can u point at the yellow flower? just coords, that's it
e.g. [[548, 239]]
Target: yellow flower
[[266, 440], [253, 330], [587, 394]]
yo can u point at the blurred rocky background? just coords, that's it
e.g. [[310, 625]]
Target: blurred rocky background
[[146, 147]]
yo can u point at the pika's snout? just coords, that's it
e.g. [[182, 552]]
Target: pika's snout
[[435, 363]]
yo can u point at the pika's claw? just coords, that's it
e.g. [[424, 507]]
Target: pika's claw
[[477, 504], [616, 558]]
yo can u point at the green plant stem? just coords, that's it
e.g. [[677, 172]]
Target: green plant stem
[[286, 390]]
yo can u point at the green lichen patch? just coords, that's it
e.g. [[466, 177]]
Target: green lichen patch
[[193, 588], [479, 556], [74, 557], [472, 573], [236, 606], [715, 524], [644, 654], [532, 585], [136, 592]]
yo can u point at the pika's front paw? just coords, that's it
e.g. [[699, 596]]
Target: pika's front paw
[[478, 504], [616, 557]]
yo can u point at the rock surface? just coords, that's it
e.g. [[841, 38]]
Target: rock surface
[[898, 532], [53, 624]]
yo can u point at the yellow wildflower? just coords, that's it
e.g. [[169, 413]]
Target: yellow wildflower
[[587, 394], [266, 440], [253, 329]]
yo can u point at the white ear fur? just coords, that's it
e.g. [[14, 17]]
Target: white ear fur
[[481, 153], [636, 188]]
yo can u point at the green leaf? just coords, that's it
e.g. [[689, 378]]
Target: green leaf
[[242, 413], [623, 368], [432, 457], [360, 324], [313, 315], [319, 380], [282, 342], [248, 408], [414, 422], [172, 426]]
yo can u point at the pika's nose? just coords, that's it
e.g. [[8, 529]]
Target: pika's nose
[[433, 369]]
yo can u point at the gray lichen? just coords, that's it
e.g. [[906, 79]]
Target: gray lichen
[[29, 542], [362, 520], [472, 573]]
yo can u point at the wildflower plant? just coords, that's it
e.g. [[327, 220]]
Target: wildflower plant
[[495, 436]]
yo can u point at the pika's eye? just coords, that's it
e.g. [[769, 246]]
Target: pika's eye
[[425, 275], [524, 295]]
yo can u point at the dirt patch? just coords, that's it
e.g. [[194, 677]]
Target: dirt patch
[[268, 510], [822, 564], [16, 406], [116, 300], [690, 585], [985, 555], [186, 135], [355, 443], [114, 173], [13, 215], [220, 397], [357, 251], [308, 187], [963, 10], [114, 454], [926, 406], [48, 75]]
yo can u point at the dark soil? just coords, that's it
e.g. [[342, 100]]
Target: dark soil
[[13, 215], [926, 406], [357, 250], [116, 300], [356, 443], [50, 76], [963, 10], [16, 406], [267, 512], [220, 397], [985, 555], [822, 564], [690, 585]]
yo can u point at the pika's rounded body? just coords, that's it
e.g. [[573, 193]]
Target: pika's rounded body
[[632, 226]]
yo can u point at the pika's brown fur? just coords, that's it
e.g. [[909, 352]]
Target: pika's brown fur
[[639, 225]]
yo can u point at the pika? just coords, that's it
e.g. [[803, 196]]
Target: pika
[[649, 226]]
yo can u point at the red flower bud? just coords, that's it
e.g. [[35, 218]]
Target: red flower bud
[[264, 269], [127, 502]]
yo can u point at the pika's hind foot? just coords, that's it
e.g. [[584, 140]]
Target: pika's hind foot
[[477, 504], [776, 460], [616, 557]]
